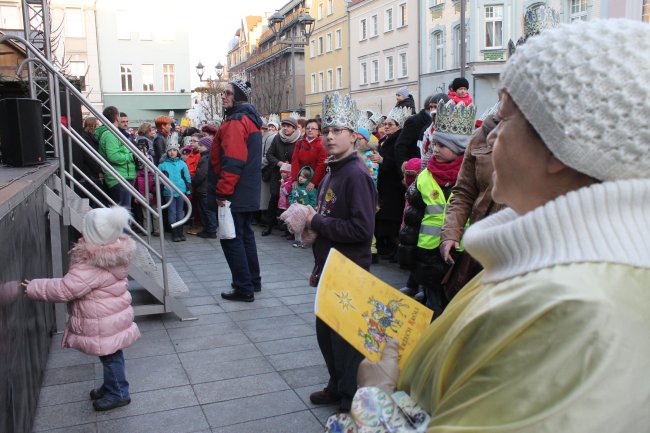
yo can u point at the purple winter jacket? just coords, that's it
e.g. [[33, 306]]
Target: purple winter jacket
[[345, 213], [96, 290]]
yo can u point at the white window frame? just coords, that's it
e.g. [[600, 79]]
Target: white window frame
[[363, 71], [338, 39], [330, 79], [126, 77], [491, 20], [169, 77], [10, 17], [339, 77], [389, 69], [330, 7], [319, 12], [145, 32], [312, 49], [147, 87], [321, 45], [578, 14], [389, 23], [374, 71], [374, 24], [313, 83], [70, 32], [321, 81], [328, 42], [402, 61], [363, 29], [123, 20], [403, 15], [438, 50]]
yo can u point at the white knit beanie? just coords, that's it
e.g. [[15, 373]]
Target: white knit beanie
[[102, 226], [585, 88]]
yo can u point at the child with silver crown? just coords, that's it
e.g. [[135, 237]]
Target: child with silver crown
[[344, 219], [429, 198]]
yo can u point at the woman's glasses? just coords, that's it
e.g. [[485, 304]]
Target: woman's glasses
[[227, 93]]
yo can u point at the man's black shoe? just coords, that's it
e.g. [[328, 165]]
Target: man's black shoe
[[235, 295], [324, 397], [206, 235], [267, 231], [105, 404], [256, 289], [97, 393]]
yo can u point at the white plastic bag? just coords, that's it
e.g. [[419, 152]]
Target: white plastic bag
[[226, 224]]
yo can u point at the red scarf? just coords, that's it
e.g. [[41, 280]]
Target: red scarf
[[445, 173]]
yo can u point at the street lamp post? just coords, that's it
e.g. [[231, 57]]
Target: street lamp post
[[307, 22], [200, 69]]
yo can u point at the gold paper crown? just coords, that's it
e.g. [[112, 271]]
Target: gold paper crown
[[340, 111], [454, 118], [399, 115]]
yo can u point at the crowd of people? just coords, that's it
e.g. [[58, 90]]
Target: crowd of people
[[546, 193]]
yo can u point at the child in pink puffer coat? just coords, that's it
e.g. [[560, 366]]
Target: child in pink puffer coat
[[100, 319]]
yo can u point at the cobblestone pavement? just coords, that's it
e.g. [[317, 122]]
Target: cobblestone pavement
[[240, 368]]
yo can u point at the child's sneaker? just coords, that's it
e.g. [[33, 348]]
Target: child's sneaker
[[296, 244]]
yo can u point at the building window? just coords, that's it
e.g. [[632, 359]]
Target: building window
[[457, 47], [388, 20], [313, 83], [312, 49], [364, 73], [493, 26], [339, 77], [374, 26], [319, 14], [126, 73], [375, 71], [390, 68], [147, 78], [328, 42], [144, 27], [10, 17], [439, 51], [646, 11], [330, 80], [330, 7], [320, 45], [403, 15], [123, 27], [363, 30], [74, 23], [168, 78], [578, 10], [339, 39], [321, 82], [77, 69], [403, 66]]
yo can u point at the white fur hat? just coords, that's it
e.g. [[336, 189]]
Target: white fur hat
[[585, 88], [102, 226]]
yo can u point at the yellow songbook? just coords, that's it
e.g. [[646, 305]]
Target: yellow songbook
[[365, 311]]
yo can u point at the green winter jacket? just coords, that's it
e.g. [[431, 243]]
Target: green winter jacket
[[117, 155], [300, 193]]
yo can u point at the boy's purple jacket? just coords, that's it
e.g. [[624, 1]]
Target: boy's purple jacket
[[345, 213]]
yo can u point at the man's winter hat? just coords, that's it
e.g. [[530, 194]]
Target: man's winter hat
[[458, 83], [289, 121], [242, 90], [592, 133], [206, 141], [102, 226], [363, 132], [274, 120], [403, 91], [285, 167]]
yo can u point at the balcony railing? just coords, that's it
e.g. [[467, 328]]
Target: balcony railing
[[286, 22], [273, 51]]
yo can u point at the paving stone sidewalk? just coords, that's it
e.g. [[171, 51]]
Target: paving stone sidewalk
[[240, 368]]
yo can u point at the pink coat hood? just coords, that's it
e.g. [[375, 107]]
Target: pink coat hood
[[96, 289]]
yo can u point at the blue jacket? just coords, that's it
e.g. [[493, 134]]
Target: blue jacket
[[176, 170]]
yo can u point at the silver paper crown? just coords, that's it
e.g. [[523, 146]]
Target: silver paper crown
[[275, 119], [538, 19], [375, 118], [454, 118], [491, 111], [399, 115], [364, 122], [340, 111], [294, 115], [265, 121]]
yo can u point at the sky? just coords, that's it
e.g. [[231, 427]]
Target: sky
[[213, 26]]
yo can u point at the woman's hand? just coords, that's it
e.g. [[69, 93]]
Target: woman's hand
[[384, 373], [310, 186], [310, 215], [376, 158], [445, 250], [24, 283]]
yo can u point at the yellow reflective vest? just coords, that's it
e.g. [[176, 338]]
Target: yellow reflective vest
[[434, 215]]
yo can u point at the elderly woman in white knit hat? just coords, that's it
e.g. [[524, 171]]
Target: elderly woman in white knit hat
[[553, 335]]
